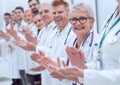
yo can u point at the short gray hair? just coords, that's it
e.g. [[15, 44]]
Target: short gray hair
[[83, 7], [45, 4]]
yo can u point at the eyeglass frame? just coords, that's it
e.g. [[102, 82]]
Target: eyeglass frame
[[79, 19]]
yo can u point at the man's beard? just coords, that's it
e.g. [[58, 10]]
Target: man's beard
[[35, 12]]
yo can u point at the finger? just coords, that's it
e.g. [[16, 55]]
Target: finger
[[34, 56], [45, 64], [58, 62], [63, 63], [49, 60], [81, 52], [37, 68], [68, 52], [57, 76], [52, 68], [47, 67], [74, 50], [41, 53]]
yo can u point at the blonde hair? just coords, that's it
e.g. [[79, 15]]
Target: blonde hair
[[27, 11], [60, 2]]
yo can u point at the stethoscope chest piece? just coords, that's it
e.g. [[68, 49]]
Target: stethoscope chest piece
[[113, 39]]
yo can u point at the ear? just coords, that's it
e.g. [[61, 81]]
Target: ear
[[92, 21]]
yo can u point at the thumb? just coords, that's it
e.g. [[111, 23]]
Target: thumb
[[58, 62], [63, 63]]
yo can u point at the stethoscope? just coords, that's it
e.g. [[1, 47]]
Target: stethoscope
[[108, 22], [114, 38], [111, 40], [65, 42], [67, 36], [107, 30], [90, 44]]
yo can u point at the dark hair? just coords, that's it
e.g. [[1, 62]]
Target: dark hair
[[7, 14], [13, 10], [20, 8], [36, 0], [60, 2]]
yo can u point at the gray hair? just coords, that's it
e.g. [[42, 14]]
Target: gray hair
[[83, 7], [45, 4]]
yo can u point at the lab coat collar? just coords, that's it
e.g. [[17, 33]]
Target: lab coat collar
[[66, 29], [51, 25], [31, 25], [88, 38]]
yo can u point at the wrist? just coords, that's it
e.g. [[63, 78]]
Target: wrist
[[80, 72]]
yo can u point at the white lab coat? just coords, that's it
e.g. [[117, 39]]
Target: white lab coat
[[29, 63], [44, 38], [33, 28], [61, 40], [17, 56], [4, 47], [4, 44], [20, 53], [57, 49], [87, 46], [110, 72]]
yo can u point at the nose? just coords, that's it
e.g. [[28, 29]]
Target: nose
[[43, 14], [32, 7], [78, 23]]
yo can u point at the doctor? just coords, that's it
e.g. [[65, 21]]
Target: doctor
[[63, 37], [108, 52], [82, 20], [18, 52]]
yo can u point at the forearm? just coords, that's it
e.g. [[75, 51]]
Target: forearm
[[104, 77]]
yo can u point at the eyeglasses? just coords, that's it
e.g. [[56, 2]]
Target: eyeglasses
[[81, 20]]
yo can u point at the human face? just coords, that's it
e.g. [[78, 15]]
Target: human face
[[13, 16], [19, 14], [34, 5], [28, 17], [81, 22], [46, 13], [118, 1], [38, 21], [60, 15], [12, 23], [7, 19]]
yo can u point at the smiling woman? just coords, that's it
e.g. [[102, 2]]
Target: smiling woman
[[82, 20]]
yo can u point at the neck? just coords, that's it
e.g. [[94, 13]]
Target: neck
[[118, 10], [46, 24], [19, 21], [63, 25], [79, 40]]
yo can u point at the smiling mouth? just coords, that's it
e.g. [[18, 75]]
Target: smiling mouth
[[57, 19], [79, 28]]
